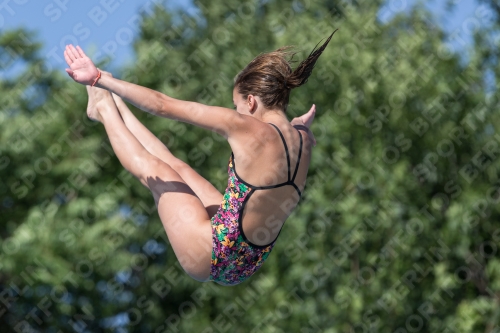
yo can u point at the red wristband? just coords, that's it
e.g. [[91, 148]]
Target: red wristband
[[97, 78]]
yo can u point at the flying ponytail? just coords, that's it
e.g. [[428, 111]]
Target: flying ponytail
[[305, 68], [270, 75]]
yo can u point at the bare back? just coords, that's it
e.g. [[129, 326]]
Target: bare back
[[261, 162]]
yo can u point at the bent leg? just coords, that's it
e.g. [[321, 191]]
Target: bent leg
[[208, 194], [183, 215]]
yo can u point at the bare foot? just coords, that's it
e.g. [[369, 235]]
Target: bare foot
[[91, 105], [103, 101], [95, 96], [116, 98]]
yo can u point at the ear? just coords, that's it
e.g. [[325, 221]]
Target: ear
[[252, 103]]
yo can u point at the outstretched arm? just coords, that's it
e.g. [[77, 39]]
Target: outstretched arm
[[222, 120]]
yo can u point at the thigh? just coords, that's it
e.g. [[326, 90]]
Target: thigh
[[208, 194], [185, 220]]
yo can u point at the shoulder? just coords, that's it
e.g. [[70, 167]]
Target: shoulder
[[306, 134], [251, 134]]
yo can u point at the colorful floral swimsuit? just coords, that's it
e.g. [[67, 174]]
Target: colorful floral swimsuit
[[234, 257]]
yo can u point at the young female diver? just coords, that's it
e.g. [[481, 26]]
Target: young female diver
[[216, 237]]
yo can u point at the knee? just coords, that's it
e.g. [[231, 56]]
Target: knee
[[146, 164], [155, 166], [156, 172], [179, 166]]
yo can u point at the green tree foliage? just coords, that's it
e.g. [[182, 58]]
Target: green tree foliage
[[398, 227]]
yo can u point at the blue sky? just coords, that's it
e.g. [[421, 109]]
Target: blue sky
[[106, 27], [459, 20]]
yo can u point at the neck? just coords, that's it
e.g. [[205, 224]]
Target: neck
[[274, 115]]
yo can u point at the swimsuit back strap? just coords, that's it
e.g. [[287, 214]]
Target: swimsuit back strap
[[286, 149], [298, 159]]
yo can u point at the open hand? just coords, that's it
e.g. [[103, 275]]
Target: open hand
[[305, 121], [81, 68]]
